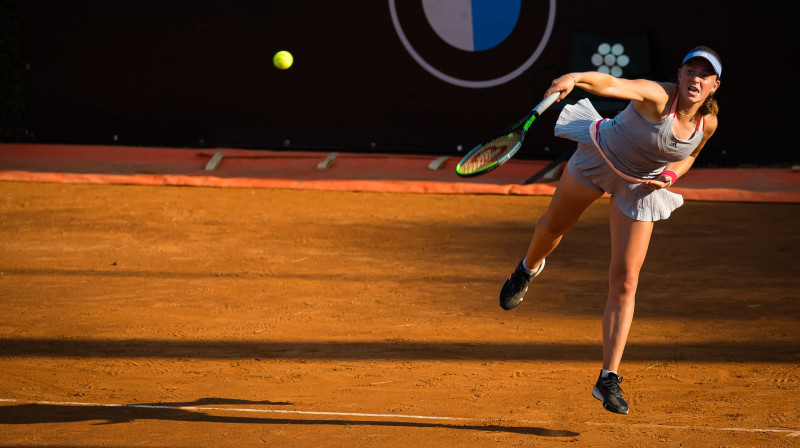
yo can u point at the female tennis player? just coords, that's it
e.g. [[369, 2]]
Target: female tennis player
[[635, 157]]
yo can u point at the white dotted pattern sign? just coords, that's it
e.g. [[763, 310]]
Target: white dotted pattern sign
[[611, 59]]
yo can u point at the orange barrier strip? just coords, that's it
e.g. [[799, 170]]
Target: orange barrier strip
[[386, 186], [352, 172]]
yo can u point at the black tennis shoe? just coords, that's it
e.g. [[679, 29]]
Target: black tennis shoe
[[515, 287], [608, 391]]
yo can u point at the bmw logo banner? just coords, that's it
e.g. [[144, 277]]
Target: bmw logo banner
[[474, 43]]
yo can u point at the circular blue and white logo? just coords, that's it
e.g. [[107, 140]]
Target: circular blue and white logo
[[472, 25], [474, 43]]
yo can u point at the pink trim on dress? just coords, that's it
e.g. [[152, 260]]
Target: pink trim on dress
[[673, 112], [594, 130]]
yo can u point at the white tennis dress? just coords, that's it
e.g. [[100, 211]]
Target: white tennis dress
[[618, 155]]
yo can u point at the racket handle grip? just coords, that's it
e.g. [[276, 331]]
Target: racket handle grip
[[547, 102]]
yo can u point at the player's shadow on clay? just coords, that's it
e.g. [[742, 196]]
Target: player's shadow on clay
[[27, 414], [714, 351]]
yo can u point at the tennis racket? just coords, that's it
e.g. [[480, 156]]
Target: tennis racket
[[499, 149]]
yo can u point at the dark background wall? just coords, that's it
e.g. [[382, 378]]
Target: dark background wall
[[199, 73]]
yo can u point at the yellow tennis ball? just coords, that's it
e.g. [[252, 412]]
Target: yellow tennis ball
[[282, 60]]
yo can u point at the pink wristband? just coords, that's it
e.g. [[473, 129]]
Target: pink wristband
[[671, 175]]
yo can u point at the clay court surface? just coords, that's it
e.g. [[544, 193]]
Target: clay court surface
[[172, 316]]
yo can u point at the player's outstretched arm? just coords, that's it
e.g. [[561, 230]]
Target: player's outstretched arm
[[609, 86]]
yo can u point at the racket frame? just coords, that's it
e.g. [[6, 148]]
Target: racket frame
[[525, 123]]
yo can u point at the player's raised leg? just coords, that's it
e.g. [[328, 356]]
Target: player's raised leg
[[569, 201]]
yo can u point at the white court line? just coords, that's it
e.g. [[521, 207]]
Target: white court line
[[207, 408], [787, 432]]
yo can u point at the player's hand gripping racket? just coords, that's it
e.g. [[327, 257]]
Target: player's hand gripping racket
[[499, 149]]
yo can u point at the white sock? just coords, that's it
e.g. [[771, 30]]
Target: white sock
[[604, 373], [524, 266]]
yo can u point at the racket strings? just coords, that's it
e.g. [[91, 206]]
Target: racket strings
[[490, 152]]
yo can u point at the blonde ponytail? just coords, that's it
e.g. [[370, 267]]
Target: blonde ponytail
[[709, 106]]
